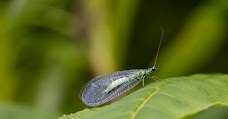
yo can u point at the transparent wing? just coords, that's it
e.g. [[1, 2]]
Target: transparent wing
[[92, 92]]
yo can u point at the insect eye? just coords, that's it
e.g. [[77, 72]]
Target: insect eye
[[154, 68]]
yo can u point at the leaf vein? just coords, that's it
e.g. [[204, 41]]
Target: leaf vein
[[143, 103]]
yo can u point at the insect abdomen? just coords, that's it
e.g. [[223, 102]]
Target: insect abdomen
[[122, 89], [115, 83]]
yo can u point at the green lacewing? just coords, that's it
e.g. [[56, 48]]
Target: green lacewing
[[106, 87]]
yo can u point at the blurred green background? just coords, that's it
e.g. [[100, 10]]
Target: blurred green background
[[50, 48]]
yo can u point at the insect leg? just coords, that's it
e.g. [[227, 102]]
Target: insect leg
[[143, 82], [155, 78], [143, 79]]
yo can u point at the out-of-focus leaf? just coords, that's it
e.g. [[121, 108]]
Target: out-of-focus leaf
[[199, 40], [7, 84], [109, 30], [9, 111]]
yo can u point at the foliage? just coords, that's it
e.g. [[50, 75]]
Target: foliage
[[172, 98], [14, 111]]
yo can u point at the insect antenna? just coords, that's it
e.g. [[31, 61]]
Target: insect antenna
[[155, 61]]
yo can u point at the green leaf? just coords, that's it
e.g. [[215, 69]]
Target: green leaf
[[172, 98]]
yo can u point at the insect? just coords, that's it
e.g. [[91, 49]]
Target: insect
[[106, 87]]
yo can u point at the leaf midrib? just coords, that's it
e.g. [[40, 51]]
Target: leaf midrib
[[143, 103]]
